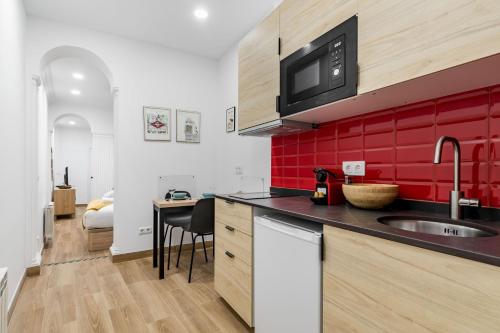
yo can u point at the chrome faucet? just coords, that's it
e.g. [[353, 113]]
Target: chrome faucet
[[457, 200]]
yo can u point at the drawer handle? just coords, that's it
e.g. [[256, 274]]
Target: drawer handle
[[229, 254], [229, 228], [229, 202]]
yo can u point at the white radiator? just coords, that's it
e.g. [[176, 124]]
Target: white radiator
[[3, 300], [49, 224]]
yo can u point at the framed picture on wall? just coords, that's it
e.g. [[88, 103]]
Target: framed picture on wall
[[157, 123], [188, 126], [231, 119]]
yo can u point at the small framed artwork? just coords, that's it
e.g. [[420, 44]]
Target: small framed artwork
[[188, 126], [157, 123], [231, 119]]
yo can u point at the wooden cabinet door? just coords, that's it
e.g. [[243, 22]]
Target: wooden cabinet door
[[376, 285], [64, 201], [402, 40], [301, 21], [258, 74]]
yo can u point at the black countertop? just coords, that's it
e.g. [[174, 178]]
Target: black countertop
[[483, 249]]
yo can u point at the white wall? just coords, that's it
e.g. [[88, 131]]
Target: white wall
[[147, 74], [100, 120], [252, 154], [72, 150], [12, 142]]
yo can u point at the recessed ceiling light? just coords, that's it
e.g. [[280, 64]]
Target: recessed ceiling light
[[75, 92], [71, 122], [78, 76], [200, 13]]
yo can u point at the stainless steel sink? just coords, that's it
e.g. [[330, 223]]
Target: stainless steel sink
[[436, 226]]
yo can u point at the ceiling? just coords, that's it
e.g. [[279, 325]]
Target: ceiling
[[167, 22], [72, 121], [94, 88]]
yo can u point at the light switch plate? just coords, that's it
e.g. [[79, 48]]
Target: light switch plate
[[354, 168]]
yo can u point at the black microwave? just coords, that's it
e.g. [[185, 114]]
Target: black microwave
[[324, 71]]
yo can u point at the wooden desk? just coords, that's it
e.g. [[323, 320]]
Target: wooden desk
[[64, 201], [160, 208]]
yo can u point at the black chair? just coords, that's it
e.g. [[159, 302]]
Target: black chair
[[176, 218], [202, 224]]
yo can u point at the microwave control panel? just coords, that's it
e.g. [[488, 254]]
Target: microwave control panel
[[336, 64]]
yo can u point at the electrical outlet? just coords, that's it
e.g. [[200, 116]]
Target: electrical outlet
[[354, 168], [238, 170], [145, 230]]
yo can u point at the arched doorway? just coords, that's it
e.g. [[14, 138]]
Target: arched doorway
[[71, 146], [76, 103]]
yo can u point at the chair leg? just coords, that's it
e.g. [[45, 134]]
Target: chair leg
[[204, 248], [192, 257], [169, 248], [180, 248], [165, 235]]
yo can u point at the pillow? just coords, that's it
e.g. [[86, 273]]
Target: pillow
[[109, 195]]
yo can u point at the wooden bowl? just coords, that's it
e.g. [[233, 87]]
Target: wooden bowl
[[370, 196]]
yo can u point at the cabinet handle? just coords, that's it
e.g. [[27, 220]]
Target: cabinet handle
[[229, 202], [229, 254], [229, 228]]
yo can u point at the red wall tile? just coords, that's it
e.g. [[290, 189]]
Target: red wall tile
[[379, 140], [379, 122], [398, 147], [415, 136], [379, 156], [304, 160], [350, 127]]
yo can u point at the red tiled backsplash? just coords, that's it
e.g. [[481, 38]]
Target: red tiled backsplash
[[398, 147]]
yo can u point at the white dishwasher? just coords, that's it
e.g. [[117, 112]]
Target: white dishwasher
[[287, 275]]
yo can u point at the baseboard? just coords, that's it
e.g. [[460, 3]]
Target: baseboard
[[149, 253], [33, 270], [16, 296]]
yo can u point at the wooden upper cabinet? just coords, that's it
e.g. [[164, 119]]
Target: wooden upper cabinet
[[402, 40], [301, 21], [258, 74]]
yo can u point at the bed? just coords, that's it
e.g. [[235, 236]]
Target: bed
[[102, 218], [99, 223]]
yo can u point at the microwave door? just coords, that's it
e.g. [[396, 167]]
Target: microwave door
[[308, 77]]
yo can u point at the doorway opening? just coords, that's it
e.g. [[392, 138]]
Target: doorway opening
[[80, 149]]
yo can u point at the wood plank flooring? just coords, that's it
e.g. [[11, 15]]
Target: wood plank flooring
[[96, 295], [70, 240]]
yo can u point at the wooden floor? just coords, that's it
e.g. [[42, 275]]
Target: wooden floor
[[95, 295], [70, 240]]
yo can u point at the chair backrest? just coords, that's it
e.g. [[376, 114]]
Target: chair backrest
[[203, 219]]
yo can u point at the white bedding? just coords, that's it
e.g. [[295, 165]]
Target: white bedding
[[102, 218]]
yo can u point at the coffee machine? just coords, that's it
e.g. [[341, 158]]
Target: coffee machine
[[323, 192]]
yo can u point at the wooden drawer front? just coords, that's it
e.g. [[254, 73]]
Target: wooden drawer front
[[235, 241], [234, 214], [233, 281]]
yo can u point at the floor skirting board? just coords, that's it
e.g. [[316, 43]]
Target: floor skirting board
[[148, 253], [16, 296], [33, 270]]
